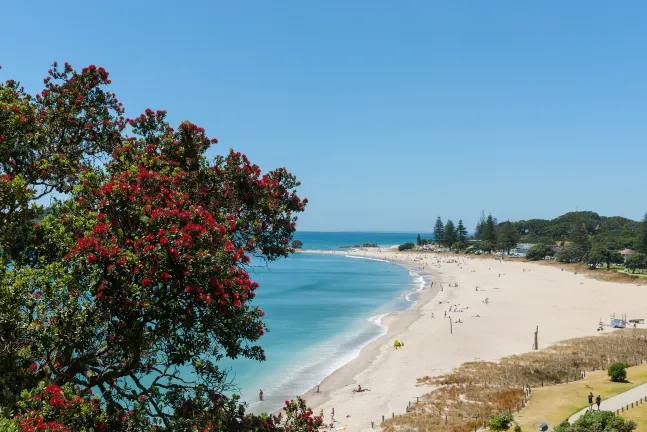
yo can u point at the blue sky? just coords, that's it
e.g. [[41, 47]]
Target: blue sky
[[390, 113]]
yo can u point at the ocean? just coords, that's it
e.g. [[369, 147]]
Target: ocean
[[320, 310]]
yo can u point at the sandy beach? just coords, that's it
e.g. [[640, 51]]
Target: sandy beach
[[521, 297]]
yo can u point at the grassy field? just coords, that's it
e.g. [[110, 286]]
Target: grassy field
[[556, 403], [639, 415]]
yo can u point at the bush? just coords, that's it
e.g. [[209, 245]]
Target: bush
[[539, 252], [570, 254], [618, 372], [297, 244], [406, 246], [500, 422], [517, 428], [637, 261], [601, 421]]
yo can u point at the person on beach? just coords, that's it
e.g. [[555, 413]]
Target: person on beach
[[598, 401], [260, 395], [591, 401]]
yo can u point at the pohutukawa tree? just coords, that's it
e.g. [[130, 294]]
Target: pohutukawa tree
[[134, 286]]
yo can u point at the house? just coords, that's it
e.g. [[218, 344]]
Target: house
[[626, 253], [521, 249]]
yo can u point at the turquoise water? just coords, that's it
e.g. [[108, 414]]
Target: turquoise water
[[321, 310]]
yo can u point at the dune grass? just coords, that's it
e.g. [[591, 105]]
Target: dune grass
[[556, 403]]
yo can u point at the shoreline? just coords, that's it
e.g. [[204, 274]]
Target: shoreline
[[394, 321], [522, 296]]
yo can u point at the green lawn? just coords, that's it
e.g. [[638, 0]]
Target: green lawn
[[555, 404]]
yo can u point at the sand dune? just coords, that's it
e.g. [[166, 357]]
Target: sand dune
[[521, 297]]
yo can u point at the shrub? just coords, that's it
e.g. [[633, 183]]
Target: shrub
[[406, 246], [601, 421], [618, 372], [500, 422], [517, 428], [570, 254], [637, 261], [539, 252], [297, 244]]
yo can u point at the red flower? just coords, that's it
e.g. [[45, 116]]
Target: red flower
[[146, 282]]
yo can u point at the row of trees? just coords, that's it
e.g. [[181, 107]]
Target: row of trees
[[134, 283], [489, 235], [585, 240]]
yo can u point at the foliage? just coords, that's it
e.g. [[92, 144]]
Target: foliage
[[598, 421], [517, 428], [579, 234], [297, 244], [406, 246], [488, 231], [600, 255], [439, 230], [457, 247], [612, 232], [570, 254], [461, 232], [135, 283], [449, 234], [507, 236], [539, 252], [637, 261], [418, 240], [480, 226], [500, 422], [618, 372], [641, 243]]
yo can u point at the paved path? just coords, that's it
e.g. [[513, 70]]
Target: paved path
[[616, 402]]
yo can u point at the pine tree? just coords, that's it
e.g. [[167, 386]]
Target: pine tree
[[579, 235], [461, 232], [507, 236], [449, 234], [489, 232], [480, 227], [419, 240], [439, 230]]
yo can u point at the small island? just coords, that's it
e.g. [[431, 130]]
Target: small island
[[365, 245]]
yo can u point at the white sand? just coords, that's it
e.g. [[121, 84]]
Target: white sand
[[562, 304]]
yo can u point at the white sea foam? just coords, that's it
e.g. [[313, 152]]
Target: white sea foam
[[377, 320], [365, 258], [322, 359]]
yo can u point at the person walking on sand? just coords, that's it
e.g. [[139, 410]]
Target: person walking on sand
[[591, 401], [598, 401]]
